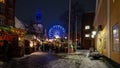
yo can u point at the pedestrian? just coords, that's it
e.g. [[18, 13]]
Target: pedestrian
[[71, 48], [37, 47], [5, 50]]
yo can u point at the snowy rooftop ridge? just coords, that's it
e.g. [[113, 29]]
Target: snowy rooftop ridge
[[19, 24]]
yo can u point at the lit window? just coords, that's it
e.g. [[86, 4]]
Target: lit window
[[87, 27], [3, 1], [114, 31], [87, 35], [116, 37]]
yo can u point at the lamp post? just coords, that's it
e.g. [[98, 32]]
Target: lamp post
[[92, 41], [69, 25], [76, 34], [92, 36]]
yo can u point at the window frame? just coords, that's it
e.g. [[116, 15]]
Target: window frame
[[115, 38]]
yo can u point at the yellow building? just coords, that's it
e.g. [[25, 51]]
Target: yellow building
[[107, 23]]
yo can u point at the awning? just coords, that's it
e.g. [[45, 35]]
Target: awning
[[3, 27]]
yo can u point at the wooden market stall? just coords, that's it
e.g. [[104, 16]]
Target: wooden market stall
[[21, 40], [15, 39], [11, 38]]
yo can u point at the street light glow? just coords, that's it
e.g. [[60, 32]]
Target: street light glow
[[93, 32], [31, 43], [65, 37], [92, 36]]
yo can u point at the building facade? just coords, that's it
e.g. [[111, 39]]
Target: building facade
[[75, 22], [7, 12], [107, 23], [87, 28], [37, 25]]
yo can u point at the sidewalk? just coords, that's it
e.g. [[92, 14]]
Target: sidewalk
[[108, 60], [77, 59], [78, 52], [18, 58], [2, 63]]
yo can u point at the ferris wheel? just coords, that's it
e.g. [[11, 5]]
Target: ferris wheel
[[56, 31]]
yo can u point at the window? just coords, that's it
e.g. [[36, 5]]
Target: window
[[10, 13], [87, 35], [1, 21], [10, 23], [38, 18], [2, 9], [87, 27], [115, 38]]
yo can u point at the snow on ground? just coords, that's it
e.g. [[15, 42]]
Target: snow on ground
[[77, 61], [43, 60], [67, 62], [1, 63]]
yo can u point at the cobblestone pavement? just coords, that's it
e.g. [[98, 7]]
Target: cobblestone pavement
[[44, 60]]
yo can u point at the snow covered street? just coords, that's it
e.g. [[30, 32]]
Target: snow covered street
[[77, 61], [45, 60]]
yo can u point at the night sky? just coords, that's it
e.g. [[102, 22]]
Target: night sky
[[51, 10]]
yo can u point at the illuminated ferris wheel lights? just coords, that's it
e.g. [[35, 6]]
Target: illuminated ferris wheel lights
[[56, 30], [57, 36]]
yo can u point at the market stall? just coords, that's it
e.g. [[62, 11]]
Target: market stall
[[21, 40], [7, 35]]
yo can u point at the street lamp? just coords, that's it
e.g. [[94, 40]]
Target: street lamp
[[93, 32], [76, 35], [69, 25], [92, 36]]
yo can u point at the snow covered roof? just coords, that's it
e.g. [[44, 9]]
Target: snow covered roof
[[19, 24]]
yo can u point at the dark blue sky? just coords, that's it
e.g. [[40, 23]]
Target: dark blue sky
[[51, 10]]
